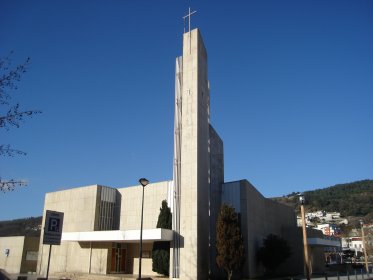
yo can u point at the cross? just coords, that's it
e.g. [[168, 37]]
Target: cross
[[188, 16]]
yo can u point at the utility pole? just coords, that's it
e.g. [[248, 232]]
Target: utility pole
[[364, 246], [302, 201]]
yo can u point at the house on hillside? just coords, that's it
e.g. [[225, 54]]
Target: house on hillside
[[329, 229]]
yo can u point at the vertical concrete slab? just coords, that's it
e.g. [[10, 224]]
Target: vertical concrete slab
[[216, 182], [195, 160]]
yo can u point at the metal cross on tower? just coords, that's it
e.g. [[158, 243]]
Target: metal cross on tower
[[188, 16]]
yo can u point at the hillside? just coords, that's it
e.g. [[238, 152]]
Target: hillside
[[27, 226], [351, 200]]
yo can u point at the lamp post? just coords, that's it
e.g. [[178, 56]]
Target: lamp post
[[364, 246], [302, 201], [143, 182]]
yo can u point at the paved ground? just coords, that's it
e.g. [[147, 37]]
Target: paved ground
[[330, 277], [89, 277], [131, 277], [351, 277]]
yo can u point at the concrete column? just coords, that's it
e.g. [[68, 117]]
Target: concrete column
[[195, 160]]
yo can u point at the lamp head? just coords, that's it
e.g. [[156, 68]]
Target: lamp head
[[144, 182], [302, 199], [361, 222]]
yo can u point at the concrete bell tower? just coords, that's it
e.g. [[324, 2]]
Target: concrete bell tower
[[195, 159], [192, 161]]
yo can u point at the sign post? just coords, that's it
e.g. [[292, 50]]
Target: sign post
[[52, 231]]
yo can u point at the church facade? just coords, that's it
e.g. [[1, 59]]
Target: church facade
[[101, 230]]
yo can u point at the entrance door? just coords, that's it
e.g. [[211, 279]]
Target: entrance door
[[118, 259]]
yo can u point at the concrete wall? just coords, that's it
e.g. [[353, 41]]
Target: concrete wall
[[203, 158], [216, 182], [195, 160], [295, 264], [30, 245], [146, 263], [18, 246], [81, 207], [259, 218], [130, 217], [11, 263], [75, 257], [263, 217]]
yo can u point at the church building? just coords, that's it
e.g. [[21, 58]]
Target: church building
[[101, 229]]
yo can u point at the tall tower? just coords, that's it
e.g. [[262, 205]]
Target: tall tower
[[192, 161]]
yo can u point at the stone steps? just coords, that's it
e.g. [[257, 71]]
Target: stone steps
[[81, 276]]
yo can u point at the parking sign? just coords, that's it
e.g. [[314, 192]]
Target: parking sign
[[53, 228]]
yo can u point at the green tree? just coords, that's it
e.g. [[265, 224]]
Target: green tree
[[161, 249], [229, 242], [11, 115], [274, 252]]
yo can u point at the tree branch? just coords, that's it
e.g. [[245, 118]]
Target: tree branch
[[9, 77], [6, 150], [14, 117], [6, 186]]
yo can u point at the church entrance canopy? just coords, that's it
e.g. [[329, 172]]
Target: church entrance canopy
[[120, 236]]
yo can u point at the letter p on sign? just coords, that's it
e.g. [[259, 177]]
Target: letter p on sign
[[54, 225]]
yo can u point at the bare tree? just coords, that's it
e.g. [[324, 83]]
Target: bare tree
[[11, 114]]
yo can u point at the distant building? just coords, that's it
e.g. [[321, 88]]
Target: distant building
[[353, 243], [321, 217], [329, 229], [356, 243]]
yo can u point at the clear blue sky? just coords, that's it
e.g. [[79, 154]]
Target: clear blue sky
[[291, 92]]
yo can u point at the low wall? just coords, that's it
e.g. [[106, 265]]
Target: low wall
[[146, 267]]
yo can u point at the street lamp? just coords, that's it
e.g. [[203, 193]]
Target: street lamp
[[364, 246], [302, 201], [143, 182]]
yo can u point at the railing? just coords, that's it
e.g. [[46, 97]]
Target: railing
[[348, 273], [355, 274]]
